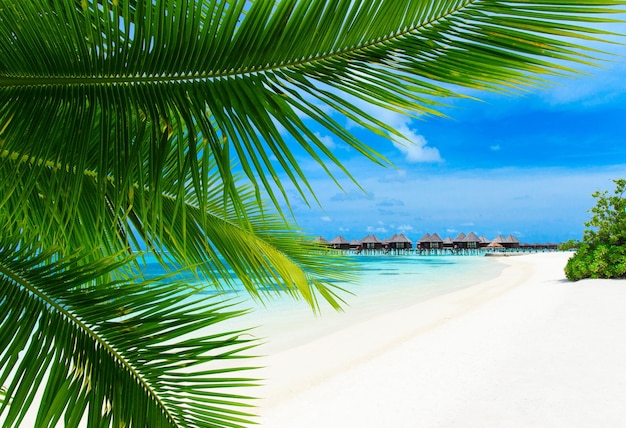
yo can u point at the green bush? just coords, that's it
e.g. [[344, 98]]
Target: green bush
[[602, 254], [568, 245], [601, 261]]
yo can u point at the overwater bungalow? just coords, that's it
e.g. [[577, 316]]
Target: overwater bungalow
[[499, 240], [470, 242], [448, 243], [399, 242], [355, 244], [483, 241], [431, 243], [321, 240], [458, 240], [511, 242], [436, 243], [339, 243], [424, 242], [371, 242]]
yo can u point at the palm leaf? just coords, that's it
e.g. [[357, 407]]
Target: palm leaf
[[222, 243], [115, 117], [233, 73], [117, 353]]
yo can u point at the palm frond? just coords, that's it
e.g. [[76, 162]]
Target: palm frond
[[234, 73], [224, 243], [119, 124], [116, 352]]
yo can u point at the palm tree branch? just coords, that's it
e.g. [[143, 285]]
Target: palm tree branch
[[125, 324], [199, 69], [550, 19], [210, 242]]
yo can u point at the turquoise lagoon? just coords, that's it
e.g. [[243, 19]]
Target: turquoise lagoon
[[384, 283], [413, 277]]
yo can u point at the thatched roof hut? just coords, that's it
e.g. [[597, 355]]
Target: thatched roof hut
[[511, 242], [470, 241], [339, 242], [371, 242], [459, 239], [320, 240], [435, 241], [423, 242], [399, 241], [448, 242], [499, 239], [354, 244]]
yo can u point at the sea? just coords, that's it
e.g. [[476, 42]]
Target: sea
[[384, 283], [411, 276]]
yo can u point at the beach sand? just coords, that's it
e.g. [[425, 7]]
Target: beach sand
[[526, 349]]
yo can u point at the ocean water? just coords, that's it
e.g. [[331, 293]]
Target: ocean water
[[384, 283], [421, 277], [411, 276]]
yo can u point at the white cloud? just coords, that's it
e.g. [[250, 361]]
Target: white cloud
[[404, 228], [327, 140], [372, 229], [352, 195], [326, 218], [414, 146], [538, 204], [416, 149], [495, 147]]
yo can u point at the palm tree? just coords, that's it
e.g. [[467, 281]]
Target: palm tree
[[157, 127]]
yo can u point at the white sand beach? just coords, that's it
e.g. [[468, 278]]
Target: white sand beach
[[526, 349]]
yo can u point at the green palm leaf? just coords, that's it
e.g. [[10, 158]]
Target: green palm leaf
[[232, 74], [120, 123], [116, 352], [222, 243]]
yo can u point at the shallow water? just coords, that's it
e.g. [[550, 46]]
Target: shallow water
[[385, 283], [410, 275]]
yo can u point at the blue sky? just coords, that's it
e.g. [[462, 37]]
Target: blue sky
[[523, 164]]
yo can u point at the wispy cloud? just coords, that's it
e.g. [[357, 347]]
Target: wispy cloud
[[404, 228], [376, 229], [416, 148], [390, 203], [327, 140], [538, 204], [351, 195]]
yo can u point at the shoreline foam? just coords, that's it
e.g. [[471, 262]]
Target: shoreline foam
[[524, 349]]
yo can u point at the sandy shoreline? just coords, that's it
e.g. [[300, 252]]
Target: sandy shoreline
[[525, 349]]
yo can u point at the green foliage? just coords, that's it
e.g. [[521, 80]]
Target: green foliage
[[572, 244], [602, 254], [608, 222], [91, 335], [3, 394], [178, 126]]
